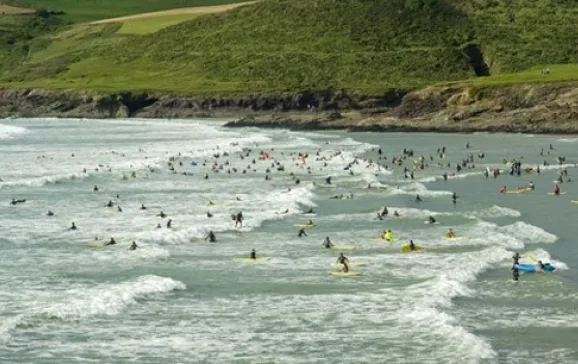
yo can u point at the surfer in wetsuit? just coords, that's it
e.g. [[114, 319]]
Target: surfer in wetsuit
[[109, 203], [95, 188], [454, 198], [162, 215], [432, 220], [384, 211], [253, 254], [417, 198], [15, 202], [328, 180], [301, 233], [239, 219], [395, 213], [515, 271], [170, 223], [110, 242], [133, 246], [143, 207], [310, 211], [412, 246], [211, 237], [50, 213], [327, 242], [378, 216], [342, 259], [209, 215], [72, 227]]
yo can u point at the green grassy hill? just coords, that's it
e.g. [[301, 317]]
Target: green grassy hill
[[289, 45], [88, 10]]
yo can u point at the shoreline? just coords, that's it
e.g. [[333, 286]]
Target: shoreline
[[549, 108]]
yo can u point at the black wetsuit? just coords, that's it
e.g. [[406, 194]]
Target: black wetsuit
[[301, 233], [253, 255]]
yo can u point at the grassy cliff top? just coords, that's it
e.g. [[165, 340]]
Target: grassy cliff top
[[290, 45]]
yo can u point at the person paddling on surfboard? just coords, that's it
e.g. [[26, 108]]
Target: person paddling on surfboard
[[162, 215], [450, 234], [211, 237], [110, 242], [309, 223], [556, 189], [343, 260], [411, 246], [503, 189], [72, 227], [432, 220], [50, 213], [327, 242]]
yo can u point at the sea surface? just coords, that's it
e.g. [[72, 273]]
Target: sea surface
[[65, 298]]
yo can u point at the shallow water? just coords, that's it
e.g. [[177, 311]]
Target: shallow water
[[177, 298]]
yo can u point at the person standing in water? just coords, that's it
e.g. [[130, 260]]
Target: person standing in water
[[253, 254], [515, 270], [301, 233], [327, 242], [343, 260], [133, 246]]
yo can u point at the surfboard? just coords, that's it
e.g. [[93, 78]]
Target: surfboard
[[431, 223], [521, 190], [574, 201], [343, 247], [561, 193], [458, 238], [355, 264], [405, 248], [345, 274], [526, 267], [258, 260], [304, 225]]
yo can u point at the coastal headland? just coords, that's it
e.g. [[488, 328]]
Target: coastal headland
[[408, 65]]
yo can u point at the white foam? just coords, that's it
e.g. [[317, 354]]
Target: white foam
[[109, 299], [10, 131], [494, 212], [529, 233]]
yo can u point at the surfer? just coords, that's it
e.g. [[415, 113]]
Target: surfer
[[556, 189], [50, 213], [310, 211], [531, 185], [384, 211], [411, 246], [301, 233], [503, 189], [211, 237], [378, 217], [253, 254], [110, 242], [133, 246], [309, 223], [328, 180], [95, 188], [327, 242], [109, 203], [239, 219], [15, 202], [450, 234], [162, 215], [170, 223], [143, 207], [395, 213], [72, 227], [159, 226], [343, 260], [417, 198], [432, 220], [209, 215], [387, 235], [454, 198]]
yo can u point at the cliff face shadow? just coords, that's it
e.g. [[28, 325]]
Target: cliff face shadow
[[477, 62]]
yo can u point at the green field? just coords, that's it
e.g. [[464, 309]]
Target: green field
[[89, 10], [152, 24], [368, 46]]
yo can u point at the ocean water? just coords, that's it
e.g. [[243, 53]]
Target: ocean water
[[65, 298]]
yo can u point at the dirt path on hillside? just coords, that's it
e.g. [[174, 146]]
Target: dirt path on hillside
[[10, 10], [194, 10]]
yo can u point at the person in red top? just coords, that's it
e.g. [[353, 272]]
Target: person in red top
[[556, 189]]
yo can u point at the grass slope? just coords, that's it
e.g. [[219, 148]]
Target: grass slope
[[289, 45], [89, 10], [153, 24]]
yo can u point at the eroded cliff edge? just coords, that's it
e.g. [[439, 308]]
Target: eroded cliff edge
[[532, 108]]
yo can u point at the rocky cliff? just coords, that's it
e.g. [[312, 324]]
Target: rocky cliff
[[533, 108]]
